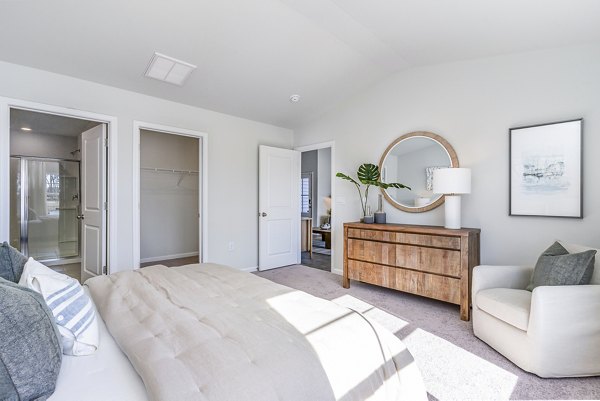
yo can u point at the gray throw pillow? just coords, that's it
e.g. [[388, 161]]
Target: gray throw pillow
[[12, 263], [30, 351], [556, 266]]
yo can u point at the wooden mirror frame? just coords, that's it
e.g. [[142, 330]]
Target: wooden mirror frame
[[453, 160]]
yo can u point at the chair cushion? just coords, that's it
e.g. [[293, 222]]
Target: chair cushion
[[507, 304], [556, 266], [574, 248]]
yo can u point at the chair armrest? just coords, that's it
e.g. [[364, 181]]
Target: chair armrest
[[568, 311], [517, 277]]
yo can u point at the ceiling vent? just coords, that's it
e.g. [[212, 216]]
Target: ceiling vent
[[169, 69]]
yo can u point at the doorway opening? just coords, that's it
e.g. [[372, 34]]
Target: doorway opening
[[57, 176], [170, 183], [316, 195]]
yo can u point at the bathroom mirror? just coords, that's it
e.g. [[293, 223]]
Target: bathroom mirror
[[411, 160]]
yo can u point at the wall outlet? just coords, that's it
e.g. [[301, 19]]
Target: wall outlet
[[231, 246]]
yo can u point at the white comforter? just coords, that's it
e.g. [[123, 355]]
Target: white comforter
[[209, 332]]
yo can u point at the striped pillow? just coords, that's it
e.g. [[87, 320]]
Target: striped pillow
[[71, 306]]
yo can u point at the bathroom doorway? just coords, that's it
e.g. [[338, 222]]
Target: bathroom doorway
[[49, 157]]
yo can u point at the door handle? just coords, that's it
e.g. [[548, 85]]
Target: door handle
[[263, 214], [80, 217]]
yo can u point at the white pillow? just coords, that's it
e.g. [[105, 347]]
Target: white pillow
[[72, 308]]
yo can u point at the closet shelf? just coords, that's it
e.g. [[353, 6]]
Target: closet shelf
[[168, 170]]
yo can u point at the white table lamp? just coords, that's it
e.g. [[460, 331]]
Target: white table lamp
[[452, 182]]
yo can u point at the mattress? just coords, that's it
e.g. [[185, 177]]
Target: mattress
[[106, 375], [210, 332]]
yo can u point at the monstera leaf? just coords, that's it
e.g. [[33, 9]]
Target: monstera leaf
[[391, 185], [368, 174], [345, 177]]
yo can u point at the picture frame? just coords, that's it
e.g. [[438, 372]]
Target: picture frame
[[546, 170]]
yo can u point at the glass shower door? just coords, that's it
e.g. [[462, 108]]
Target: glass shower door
[[49, 197], [15, 203]]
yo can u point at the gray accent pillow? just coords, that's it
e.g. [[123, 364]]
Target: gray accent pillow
[[12, 263], [556, 266], [30, 351]]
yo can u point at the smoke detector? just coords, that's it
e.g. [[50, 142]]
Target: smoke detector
[[294, 98], [169, 69]]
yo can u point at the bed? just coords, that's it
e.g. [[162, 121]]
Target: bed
[[210, 332], [106, 375]]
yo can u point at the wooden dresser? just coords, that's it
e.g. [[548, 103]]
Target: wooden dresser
[[434, 262]]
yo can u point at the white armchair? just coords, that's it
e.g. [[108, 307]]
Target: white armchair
[[553, 331]]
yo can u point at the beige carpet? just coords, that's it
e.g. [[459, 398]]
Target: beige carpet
[[455, 365]]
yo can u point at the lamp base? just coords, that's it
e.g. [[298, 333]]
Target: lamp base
[[452, 212]]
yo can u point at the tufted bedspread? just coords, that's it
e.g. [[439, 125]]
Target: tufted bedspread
[[210, 332]]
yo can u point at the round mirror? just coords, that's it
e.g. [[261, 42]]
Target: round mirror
[[411, 160]]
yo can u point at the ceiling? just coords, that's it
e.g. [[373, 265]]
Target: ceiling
[[252, 55], [41, 123]]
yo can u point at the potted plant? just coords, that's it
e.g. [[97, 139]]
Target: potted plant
[[368, 174]]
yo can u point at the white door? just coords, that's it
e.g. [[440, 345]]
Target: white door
[[93, 196], [278, 207]]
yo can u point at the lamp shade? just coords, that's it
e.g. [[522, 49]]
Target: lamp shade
[[452, 181]]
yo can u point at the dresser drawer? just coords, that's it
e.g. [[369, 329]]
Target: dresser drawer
[[431, 260], [373, 235], [429, 285], [372, 251], [371, 273], [436, 241]]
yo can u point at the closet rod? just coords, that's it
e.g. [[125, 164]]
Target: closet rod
[[169, 170]]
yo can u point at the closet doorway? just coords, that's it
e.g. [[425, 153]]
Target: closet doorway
[[170, 183]]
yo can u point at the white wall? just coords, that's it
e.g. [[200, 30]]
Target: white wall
[[473, 104], [232, 148], [168, 201], [43, 145], [324, 182]]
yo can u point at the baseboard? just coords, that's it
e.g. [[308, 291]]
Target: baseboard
[[249, 269], [337, 271], [169, 257]]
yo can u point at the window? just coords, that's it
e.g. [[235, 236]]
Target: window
[[306, 194], [52, 194]]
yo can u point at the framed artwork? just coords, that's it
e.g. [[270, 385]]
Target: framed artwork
[[546, 168]]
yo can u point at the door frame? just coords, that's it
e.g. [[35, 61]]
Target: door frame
[[203, 176], [6, 104], [325, 145]]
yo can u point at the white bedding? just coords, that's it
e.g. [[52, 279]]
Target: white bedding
[[106, 375], [209, 332]]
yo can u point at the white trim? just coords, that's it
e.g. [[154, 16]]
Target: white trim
[[248, 269], [139, 125], [169, 257], [325, 145], [337, 271], [5, 105]]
